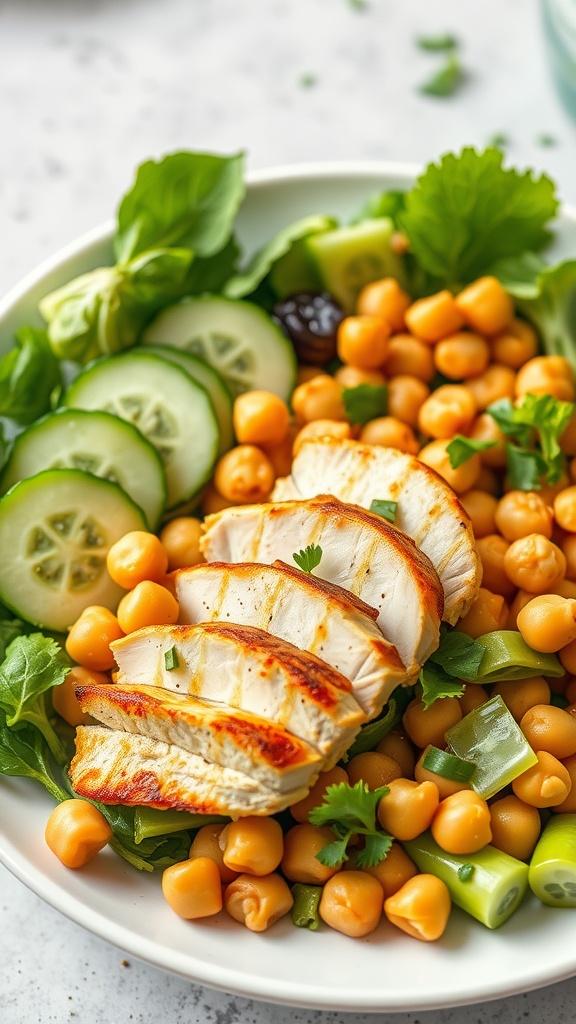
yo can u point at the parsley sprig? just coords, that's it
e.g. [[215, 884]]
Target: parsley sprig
[[351, 811], [534, 427], [308, 558]]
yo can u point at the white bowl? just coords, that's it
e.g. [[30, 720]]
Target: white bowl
[[386, 971]]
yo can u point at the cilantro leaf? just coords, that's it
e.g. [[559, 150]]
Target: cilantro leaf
[[309, 558], [364, 402], [376, 846], [436, 683], [386, 509], [536, 424], [524, 469], [446, 81], [334, 853], [458, 654], [466, 212], [351, 810], [463, 448]]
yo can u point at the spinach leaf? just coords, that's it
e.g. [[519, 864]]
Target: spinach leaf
[[29, 374], [33, 665], [23, 752]]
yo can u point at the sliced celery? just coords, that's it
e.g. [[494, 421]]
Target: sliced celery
[[491, 893], [552, 874], [507, 656], [149, 821], [490, 738]]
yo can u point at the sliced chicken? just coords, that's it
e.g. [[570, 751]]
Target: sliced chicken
[[428, 509], [360, 552], [311, 613], [116, 767], [217, 733], [248, 669]]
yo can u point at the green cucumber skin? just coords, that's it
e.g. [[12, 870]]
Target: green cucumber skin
[[479, 895], [22, 460], [56, 490], [348, 258], [552, 872]]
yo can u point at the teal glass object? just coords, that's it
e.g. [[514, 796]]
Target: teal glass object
[[559, 21]]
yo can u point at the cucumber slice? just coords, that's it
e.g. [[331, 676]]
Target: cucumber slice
[[237, 338], [172, 411], [56, 529], [348, 258], [207, 376], [98, 443], [552, 873]]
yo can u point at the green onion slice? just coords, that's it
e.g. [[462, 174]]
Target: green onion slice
[[449, 766], [171, 659]]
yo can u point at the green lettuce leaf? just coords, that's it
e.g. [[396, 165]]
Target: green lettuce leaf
[[436, 683], [547, 297], [467, 212], [29, 375], [365, 402], [32, 665]]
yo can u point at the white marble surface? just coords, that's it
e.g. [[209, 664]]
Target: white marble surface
[[89, 88]]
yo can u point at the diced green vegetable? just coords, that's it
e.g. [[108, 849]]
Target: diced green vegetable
[[364, 402], [448, 765], [507, 656], [347, 258], [552, 874], [489, 737], [150, 822], [383, 507], [304, 912], [491, 892]]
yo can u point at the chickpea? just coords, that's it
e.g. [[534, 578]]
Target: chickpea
[[569, 690], [260, 417], [515, 827], [547, 727], [362, 341], [546, 375], [485, 305], [496, 382], [515, 345], [492, 551], [408, 808], [522, 694], [181, 540], [193, 888], [567, 656], [488, 612], [318, 399], [389, 432], [548, 622], [444, 786], [409, 356], [428, 725], [351, 903], [406, 395], [485, 428], [299, 862], [393, 871], [397, 746], [549, 492], [462, 355], [64, 699], [462, 823], [568, 545], [259, 902], [206, 844], [244, 474], [565, 509], [481, 508], [373, 768], [75, 832], [339, 429], [449, 410], [434, 317], [487, 480], [353, 377], [421, 907], [568, 806], [473, 697], [89, 638], [520, 513], [306, 373], [520, 601], [545, 784], [316, 796], [137, 556], [149, 604], [461, 479], [212, 501], [252, 845], [534, 563], [384, 298]]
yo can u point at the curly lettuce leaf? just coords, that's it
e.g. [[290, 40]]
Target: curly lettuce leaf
[[467, 212], [29, 376]]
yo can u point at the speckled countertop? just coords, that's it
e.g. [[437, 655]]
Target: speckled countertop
[[89, 88]]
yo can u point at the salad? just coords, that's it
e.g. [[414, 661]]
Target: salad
[[170, 438]]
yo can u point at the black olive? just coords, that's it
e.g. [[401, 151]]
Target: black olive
[[310, 319]]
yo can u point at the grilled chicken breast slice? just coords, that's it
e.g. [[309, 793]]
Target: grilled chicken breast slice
[[217, 733], [116, 767], [311, 613], [360, 552], [428, 509], [248, 669]]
